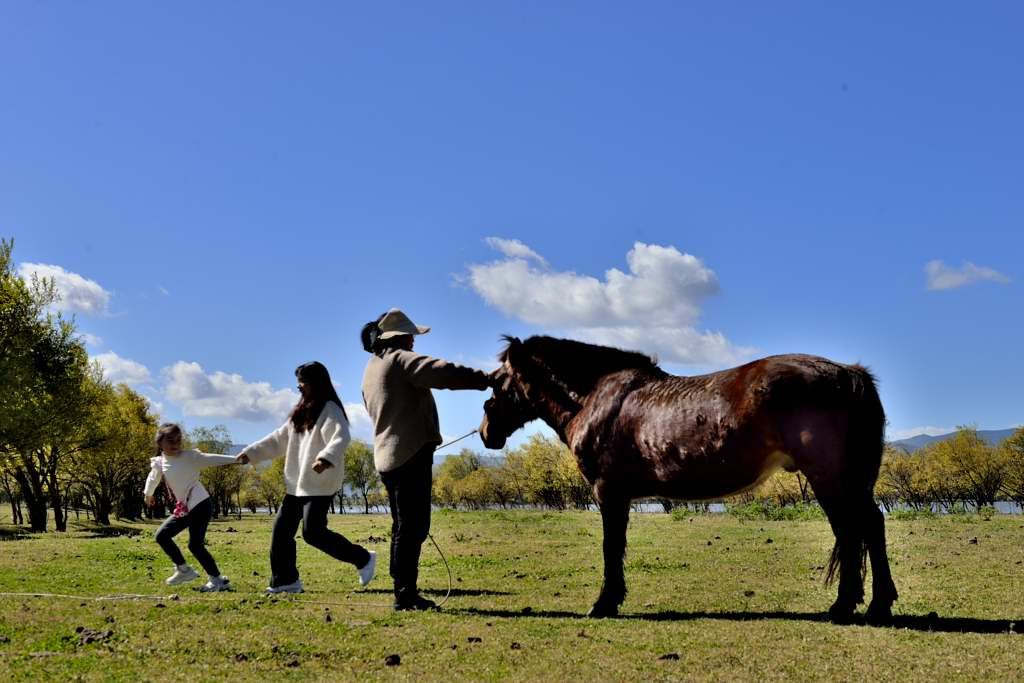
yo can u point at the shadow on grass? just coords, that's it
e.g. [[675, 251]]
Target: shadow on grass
[[926, 623], [93, 530], [13, 533], [456, 592]]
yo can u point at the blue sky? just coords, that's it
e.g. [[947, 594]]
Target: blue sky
[[226, 190]]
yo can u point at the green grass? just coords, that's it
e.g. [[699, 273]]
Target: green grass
[[710, 589]]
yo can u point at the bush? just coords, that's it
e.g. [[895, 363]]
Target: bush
[[909, 515], [776, 513]]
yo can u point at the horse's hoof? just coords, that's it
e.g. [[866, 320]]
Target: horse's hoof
[[879, 615], [841, 614], [601, 610]]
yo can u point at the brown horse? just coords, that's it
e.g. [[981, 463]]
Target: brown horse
[[637, 431]]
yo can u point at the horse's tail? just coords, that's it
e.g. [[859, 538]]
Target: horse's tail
[[864, 446]]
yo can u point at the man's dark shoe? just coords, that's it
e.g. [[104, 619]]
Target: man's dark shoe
[[417, 604]]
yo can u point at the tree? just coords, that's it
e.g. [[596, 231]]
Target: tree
[[452, 470], [552, 475], [225, 482], [1013, 454], [360, 472], [46, 396], [903, 478], [977, 468], [111, 474], [265, 486]]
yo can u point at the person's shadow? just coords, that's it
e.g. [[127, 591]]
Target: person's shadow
[[928, 623]]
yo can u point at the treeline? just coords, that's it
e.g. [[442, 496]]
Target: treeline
[[962, 472]]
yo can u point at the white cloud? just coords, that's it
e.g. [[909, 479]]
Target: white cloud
[[90, 339], [117, 369], [359, 422], [225, 395], [654, 307], [916, 431], [940, 276], [77, 294], [163, 290], [514, 249]]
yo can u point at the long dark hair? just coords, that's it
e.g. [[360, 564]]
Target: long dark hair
[[307, 411], [372, 343]]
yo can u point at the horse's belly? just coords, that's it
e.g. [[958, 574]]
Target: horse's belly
[[700, 477]]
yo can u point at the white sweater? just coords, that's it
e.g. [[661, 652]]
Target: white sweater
[[327, 440], [181, 473]]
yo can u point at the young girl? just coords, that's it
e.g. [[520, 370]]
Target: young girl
[[313, 443], [179, 470]]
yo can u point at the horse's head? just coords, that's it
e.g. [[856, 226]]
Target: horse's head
[[507, 409]]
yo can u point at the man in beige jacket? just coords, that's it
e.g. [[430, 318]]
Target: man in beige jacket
[[396, 391]]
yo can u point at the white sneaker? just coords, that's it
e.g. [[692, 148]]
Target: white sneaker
[[288, 588], [366, 572], [216, 584], [182, 574]]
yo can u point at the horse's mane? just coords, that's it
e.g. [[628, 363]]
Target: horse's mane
[[577, 364]]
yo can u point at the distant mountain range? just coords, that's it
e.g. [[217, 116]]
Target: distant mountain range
[[992, 436]]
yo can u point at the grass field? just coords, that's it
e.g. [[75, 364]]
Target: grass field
[[711, 598]]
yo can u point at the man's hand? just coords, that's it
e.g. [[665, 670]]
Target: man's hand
[[150, 501], [321, 465]]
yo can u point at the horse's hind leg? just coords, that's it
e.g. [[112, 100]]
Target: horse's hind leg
[[847, 556], [614, 519], [883, 590]]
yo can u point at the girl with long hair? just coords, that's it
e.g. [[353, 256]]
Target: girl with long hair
[[313, 442]]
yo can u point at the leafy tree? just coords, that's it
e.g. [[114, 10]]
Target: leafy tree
[[264, 487], [46, 396], [111, 474], [223, 483], [973, 467], [1013, 454], [360, 473], [903, 479], [450, 472]]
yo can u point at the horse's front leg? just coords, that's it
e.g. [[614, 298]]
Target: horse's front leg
[[614, 519]]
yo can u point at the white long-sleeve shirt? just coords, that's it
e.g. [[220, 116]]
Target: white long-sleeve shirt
[[326, 440], [181, 474]]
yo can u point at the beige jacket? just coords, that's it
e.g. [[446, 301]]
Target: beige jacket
[[396, 391]]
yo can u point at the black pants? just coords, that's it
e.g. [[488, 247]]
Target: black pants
[[196, 521], [409, 495], [312, 512]]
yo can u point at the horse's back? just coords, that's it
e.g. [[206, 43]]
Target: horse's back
[[709, 435]]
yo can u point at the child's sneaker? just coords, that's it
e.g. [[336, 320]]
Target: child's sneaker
[[182, 574], [367, 570], [287, 588], [215, 585]]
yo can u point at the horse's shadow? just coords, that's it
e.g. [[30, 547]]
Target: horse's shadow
[[927, 623], [455, 592]]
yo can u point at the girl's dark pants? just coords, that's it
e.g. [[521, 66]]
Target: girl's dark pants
[[409, 489], [312, 512], [196, 521]]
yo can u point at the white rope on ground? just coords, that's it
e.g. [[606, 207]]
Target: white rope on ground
[[209, 597]]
